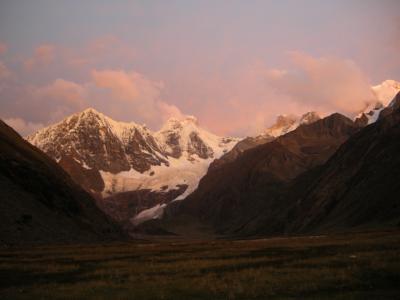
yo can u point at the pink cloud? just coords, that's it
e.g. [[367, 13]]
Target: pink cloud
[[3, 48], [52, 61], [41, 104], [66, 92], [123, 85], [5, 73], [23, 127], [247, 99], [243, 101], [326, 83], [169, 111], [126, 96], [134, 93], [240, 103], [99, 51], [42, 56]]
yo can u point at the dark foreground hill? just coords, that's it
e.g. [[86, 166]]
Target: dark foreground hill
[[39, 203], [360, 185]]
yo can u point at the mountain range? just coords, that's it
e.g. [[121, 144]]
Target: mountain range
[[133, 172], [126, 166], [299, 175]]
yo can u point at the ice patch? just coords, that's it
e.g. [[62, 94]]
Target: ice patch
[[155, 212]]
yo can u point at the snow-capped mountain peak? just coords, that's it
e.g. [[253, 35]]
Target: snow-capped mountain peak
[[396, 101], [386, 90], [186, 138], [124, 156], [174, 123], [121, 129], [287, 123], [309, 118], [370, 114], [100, 143], [108, 157]]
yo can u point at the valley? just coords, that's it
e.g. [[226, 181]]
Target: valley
[[186, 150], [354, 265]]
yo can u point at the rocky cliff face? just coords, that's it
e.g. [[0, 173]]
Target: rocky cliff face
[[98, 142]]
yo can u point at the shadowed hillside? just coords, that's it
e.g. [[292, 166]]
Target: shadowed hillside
[[235, 195], [299, 183], [39, 201], [360, 185]]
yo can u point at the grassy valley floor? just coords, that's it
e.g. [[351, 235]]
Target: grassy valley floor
[[347, 266]]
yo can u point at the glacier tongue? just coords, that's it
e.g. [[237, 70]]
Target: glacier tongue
[[154, 212]]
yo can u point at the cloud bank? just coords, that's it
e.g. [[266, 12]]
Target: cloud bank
[[22, 127], [249, 99], [3, 48], [43, 56], [327, 84], [123, 95], [241, 102]]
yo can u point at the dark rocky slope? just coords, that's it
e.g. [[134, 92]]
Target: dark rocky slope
[[239, 196], [359, 187], [39, 202], [299, 184]]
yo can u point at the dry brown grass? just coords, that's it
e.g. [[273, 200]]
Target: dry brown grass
[[350, 266]]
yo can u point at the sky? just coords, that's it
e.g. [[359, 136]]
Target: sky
[[234, 65]]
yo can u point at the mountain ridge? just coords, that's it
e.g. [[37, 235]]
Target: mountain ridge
[[129, 165]]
